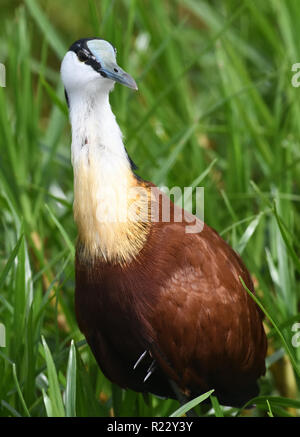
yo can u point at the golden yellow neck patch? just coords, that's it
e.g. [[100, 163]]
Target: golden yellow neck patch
[[111, 209]]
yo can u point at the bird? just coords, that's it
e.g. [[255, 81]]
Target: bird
[[158, 292]]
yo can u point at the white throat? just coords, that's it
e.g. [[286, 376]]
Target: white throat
[[94, 126]]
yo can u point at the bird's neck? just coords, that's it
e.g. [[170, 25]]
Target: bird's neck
[[94, 125], [104, 184]]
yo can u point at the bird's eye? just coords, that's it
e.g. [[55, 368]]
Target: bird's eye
[[82, 56]]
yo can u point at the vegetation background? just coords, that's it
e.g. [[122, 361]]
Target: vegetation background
[[215, 108]]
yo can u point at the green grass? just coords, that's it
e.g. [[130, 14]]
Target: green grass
[[214, 87]]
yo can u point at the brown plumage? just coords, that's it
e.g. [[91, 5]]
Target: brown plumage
[[160, 307], [181, 300]]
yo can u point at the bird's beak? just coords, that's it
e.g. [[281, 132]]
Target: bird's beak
[[114, 72]]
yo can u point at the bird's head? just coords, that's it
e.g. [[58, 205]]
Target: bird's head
[[90, 63]]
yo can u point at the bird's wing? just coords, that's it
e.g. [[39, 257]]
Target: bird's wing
[[208, 328]]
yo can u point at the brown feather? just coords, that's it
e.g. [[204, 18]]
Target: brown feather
[[181, 299]]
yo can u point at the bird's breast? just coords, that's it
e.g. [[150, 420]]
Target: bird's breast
[[111, 208]]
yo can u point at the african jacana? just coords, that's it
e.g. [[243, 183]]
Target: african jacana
[[159, 307]]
